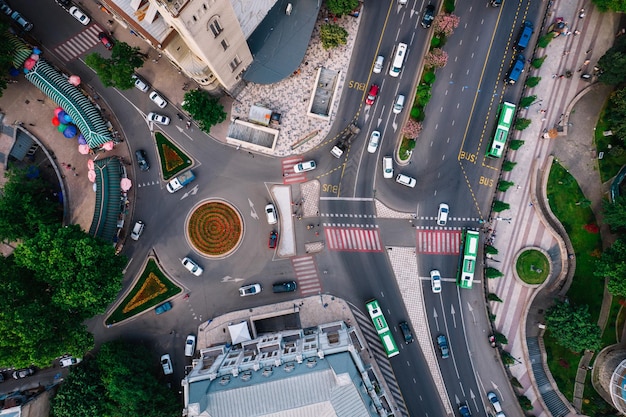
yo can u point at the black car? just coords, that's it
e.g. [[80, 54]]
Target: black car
[[23, 373], [142, 160], [406, 332], [429, 16], [287, 286]]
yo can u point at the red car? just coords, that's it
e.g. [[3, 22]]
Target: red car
[[273, 239], [106, 40], [371, 96]]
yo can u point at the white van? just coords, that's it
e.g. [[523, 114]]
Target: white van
[[399, 104], [398, 60]]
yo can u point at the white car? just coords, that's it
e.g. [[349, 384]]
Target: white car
[[166, 363], [158, 100], [378, 65], [251, 289], [79, 15], [398, 105], [374, 141], [270, 212], [304, 166], [190, 345], [69, 361], [137, 230], [435, 281], [406, 180], [158, 118], [442, 215], [192, 267], [387, 167], [140, 84], [493, 399]]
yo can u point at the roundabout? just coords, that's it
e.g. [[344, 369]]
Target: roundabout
[[214, 228]]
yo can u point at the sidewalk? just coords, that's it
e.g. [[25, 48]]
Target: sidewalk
[[559, 103]]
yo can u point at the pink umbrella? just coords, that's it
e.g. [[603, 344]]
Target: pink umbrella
[[91, 175], [34, 57], [125, 184], [57, 111], [90, 164], [83, 149], [29, 63], [74, 80], [108, 146]]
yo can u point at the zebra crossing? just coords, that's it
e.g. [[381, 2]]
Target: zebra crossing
[[364, 324], [442, 242], [79, 44], [306, 274], [355, 239], [289, 175]]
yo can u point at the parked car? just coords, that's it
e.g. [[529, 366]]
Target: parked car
[[270, 213], [378, 65], [435, 281], [4, 8], [19, 19], [464, 410], [69, 361], [287, 286], [374, 141], [158, 118], [137, 230], [371, 96], [157, 99], [493, 399], [387, 167], [406, 332], [273, 239], [406, 180], [192, 267], [140, 84], [190, 345], [304, 166], [79, 15], [251, 289], [22, 373], [142, 161], [442, 342], [166, 306], [105, 40], [442, 214], [429, 16], [1, 377], [166, 363]]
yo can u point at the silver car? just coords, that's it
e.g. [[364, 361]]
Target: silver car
[[192, 267], [158, 118], [251, 289]]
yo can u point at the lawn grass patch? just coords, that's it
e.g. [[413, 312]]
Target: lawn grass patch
[[614, 155], [613, 324], [406, 148], [563, 364], [172, 159], [532, 266], [155, 288]]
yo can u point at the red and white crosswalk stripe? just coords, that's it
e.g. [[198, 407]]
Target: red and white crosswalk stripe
[[354, 239], [79, 44], [289, 175], [306, 273], [444, 242]]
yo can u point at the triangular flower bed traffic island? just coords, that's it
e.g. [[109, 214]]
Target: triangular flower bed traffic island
[[173, 159]]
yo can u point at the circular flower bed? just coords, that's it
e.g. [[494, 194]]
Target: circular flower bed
[[215, 228], [532, 266]]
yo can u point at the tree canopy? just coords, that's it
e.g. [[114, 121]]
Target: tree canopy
[[118, 70], [613, 5], [204, 109], [333, 35], [341, 7], [120, 381], [7, 51], [613, 63], [571, 326], [26, 205], [615, 213], [612, 265]]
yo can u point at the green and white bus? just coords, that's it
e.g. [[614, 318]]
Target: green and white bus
[[376, 314], [507, 114], [465, 274]]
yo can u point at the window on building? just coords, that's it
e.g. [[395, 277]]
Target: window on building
[[235, 63], [224, 44], [215, 27]]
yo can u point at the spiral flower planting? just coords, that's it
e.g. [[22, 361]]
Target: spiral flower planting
[[215, 228]]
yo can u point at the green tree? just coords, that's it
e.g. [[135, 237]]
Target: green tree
[[491, 250], [571, 326], [615, 213], [204, 109], [500, 338], [545, 40], [612, 63], [612, 265], [493, 297], [341, 7], [525, 102], [504, 185], [538, 62], [491, 272], [26, 204], [616, 112], [508, 165], [516, 144], [532, 81], [521, 123], [499, 206], [117, 71], [83, 273], [333, 35], [81, 394], [507, 358], [7, 50], [525, 403]]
